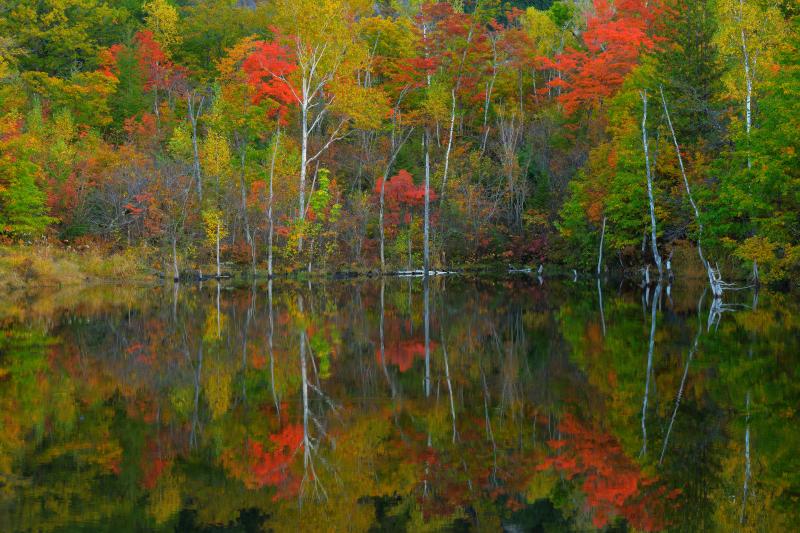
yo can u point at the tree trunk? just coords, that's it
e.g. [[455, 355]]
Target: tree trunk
[[600, 255], [427, 317], [653, 238], [219, 272], [395, 150], [250, 237], [194, 115], [175, 259], [716, 288], [303, 164], [380, 221], [748, 78], [427, 222], [269, 204], [449, 147]]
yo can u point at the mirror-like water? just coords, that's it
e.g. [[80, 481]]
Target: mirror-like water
[[395, 405]]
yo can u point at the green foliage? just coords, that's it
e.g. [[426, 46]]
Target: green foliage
[[763, 200], [63, 36], [129, 98], [23, 212]]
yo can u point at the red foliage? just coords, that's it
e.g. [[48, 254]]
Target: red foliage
[[401, 196], [159, 72], [267, 69], [615, 36]]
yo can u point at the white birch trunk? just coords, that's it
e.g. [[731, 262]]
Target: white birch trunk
[[218, 267], [713, 280], [194, 115], [427, 222], [748, 79], [175, 259], [449, 146], [600, 255], [303, 161], [653, 238], [270, 220]]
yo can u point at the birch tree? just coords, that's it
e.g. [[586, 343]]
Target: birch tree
[[750, 34], [649, 175], [322, 41]]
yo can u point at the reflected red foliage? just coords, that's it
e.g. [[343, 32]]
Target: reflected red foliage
[[614, 484], [402, 353], [262, 464]]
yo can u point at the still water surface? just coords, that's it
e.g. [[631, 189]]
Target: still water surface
[[393, 406]]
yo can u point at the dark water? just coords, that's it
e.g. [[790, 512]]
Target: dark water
[[356, 406]]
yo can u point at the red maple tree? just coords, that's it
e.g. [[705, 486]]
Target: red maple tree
[[615, 36]]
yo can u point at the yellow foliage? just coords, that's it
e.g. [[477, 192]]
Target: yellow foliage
[[218, 392], [544, 33], [764, 31], [367, 107], [216, 156], [214, 225], [165, 500], [772, 265], [161, 18]]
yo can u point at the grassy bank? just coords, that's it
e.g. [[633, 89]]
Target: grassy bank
[[39, 266]]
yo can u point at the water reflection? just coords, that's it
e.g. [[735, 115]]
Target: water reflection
[[400, 405]]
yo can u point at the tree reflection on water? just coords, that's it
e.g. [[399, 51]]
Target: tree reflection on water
[[400, 405]]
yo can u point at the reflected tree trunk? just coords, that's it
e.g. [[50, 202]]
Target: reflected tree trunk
[[426, 296], [447, 378], [176, 271], [746, 482], [270, 218], [308, 443], [692, 352], [650, 349], [270, 335], [383, 346], [196, 408], [247, 320], [175, 294]]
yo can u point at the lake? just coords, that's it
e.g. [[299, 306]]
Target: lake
[[396, 405]]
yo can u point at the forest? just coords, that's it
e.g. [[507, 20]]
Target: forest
[[283, 136]]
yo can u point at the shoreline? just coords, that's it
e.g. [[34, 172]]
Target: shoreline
[[23, 268]]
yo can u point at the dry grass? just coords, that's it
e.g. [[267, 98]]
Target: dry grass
[[25, 267]]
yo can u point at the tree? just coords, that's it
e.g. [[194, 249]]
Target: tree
[[322, 45], [161, 19], [402, 199], [64, 36], [23, 212], [616, 33], [750, 31]]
